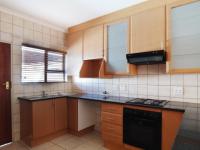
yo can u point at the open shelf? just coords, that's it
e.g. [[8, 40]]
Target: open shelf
[[93, 68]]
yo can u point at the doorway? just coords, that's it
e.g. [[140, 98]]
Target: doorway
[[5, 94]]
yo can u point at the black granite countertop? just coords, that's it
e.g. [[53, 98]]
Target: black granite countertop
[[171, 105]]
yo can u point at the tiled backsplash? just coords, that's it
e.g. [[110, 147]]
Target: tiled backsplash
[[151, 82], [16, 30]]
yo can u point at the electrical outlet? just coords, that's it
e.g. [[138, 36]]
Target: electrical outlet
[[177, 91]]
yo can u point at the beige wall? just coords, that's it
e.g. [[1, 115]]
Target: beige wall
[[15, 30]]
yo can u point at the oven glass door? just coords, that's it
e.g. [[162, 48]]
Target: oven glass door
[[142, 132]]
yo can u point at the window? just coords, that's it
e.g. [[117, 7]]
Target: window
[[55, 67], [42, 65], [33, 65]]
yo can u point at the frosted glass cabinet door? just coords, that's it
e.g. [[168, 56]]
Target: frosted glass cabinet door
[[117, 48], [185, 37]]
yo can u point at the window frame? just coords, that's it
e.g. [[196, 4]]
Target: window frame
[[46, 63]]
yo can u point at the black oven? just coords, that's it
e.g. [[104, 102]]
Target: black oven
[[142, 129]]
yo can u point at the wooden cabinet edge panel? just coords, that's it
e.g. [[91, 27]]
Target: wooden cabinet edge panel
[[171, 122], [72, 114]]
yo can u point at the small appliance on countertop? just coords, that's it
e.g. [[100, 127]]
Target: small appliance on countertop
[[147, 102]]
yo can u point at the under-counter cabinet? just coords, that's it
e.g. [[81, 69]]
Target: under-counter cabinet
[[148, 30], [183, 36], [42, 120], [112, 126], [93, 43], [116, 46]]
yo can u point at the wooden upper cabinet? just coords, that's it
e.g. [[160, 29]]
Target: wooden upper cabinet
[[93, 43], [60, 114], [43, 118], [183, 36], [74, 52], [116, 46], [148, 30]]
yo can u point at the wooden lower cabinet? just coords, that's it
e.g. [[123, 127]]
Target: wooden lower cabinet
[[112, 126], [42, 120], [73, 115], [61, 114]]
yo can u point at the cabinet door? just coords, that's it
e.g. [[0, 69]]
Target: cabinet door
[[72, 114], [74, 53], [93, 43], [116, 47], [60, 114], [148, 30], [43, 118], [184, 36]]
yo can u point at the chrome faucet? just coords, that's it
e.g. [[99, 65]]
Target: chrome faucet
[[44, 94], [106, 94]]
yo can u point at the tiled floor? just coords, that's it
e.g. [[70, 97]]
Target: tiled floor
[[90, 141]]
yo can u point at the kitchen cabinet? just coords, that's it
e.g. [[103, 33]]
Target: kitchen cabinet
[[183, 36], [116, 45], [81, 116], [60, 114], [148, 30], [93, 43], [42, 120], [112, 126], [74, 53]]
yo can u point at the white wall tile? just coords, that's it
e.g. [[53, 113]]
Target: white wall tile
[[17, 31], [28, 25], [164, 79], [177, 80], [38, 27], [28, 34], [6, 27], [190, 80], [142, 90], [17, 21], [133, 89], [6, 17], [142, 79], [190, 92], [164, 91], [152, 79], [6, 37], [152, 90]]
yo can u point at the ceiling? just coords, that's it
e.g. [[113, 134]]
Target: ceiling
[[66, 13]]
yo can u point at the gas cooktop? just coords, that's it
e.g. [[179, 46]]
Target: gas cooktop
[[150, 102]]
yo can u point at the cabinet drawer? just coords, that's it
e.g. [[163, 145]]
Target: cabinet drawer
[[111, 118], [112, 129], [111, 108]]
